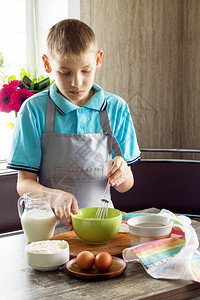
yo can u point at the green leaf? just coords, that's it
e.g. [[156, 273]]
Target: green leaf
[[32, 86], [27, 81], [11, 125], [41, 85], [24, 86], [1, 59], [23, 74], [12, 77]]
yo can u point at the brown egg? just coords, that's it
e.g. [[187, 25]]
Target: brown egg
[[85, 260], [103, 261]]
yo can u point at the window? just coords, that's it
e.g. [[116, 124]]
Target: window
[[12, 46], [13, 35], [23, 28]]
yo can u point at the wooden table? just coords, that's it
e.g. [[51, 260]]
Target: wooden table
[[19, 281]]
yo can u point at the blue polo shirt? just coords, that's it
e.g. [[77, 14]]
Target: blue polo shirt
[[26, 150]]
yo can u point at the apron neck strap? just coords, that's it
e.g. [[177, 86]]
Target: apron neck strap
[[105, 124], [104, 119], [50, 116]]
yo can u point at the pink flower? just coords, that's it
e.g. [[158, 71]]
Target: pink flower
[[18, 97], [5, 95], [14, 84]]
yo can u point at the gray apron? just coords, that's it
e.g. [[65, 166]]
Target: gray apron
[[75, 163]]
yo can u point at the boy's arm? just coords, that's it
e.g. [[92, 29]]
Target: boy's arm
[[120, 175], [62, 202]]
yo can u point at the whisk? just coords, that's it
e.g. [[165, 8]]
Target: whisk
[[102, 211]]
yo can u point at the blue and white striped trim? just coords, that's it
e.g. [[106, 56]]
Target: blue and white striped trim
[[22, 168], [104, 105], [59, 110], [57, 107], [133, 161]]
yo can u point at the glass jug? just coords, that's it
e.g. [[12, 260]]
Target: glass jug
[[37, 218]]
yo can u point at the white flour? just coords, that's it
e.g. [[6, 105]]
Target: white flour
[[47, 247]]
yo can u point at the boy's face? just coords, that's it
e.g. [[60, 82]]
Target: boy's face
[[74, 75]]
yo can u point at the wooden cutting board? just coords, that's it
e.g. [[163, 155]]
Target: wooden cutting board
[[76, 245]]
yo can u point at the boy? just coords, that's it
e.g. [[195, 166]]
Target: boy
[[73, 138]]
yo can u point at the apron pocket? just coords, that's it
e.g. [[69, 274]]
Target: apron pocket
[[78, 174]]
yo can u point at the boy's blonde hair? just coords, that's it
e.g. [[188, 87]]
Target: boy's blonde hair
[[70, 36]]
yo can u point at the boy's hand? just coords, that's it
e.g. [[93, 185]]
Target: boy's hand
[[63, 203], [118, 171]]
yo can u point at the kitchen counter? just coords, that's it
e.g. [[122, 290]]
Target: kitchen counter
[[19, 281]]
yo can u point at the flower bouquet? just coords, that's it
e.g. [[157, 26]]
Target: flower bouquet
[[15, 92]]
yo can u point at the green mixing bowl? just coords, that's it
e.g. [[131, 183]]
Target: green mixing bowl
[[93, 231]]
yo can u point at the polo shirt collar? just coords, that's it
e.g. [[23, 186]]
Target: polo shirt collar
[[97, 102]]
